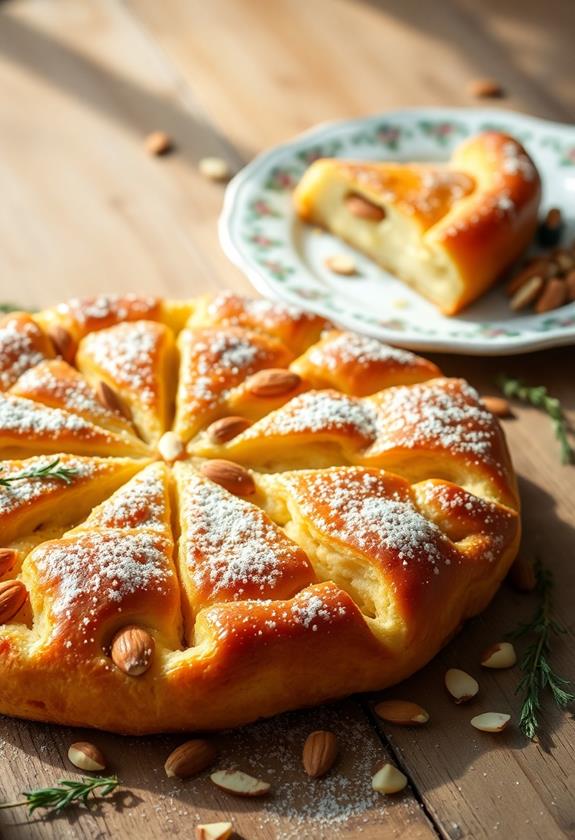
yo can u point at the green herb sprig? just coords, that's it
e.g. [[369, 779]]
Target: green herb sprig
[[67, 792], [538, 396], [51, 470], [535, 666]]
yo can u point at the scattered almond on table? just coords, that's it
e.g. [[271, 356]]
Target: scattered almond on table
[[500, 655], [158, 143], [214, 169], [239, 783], [498, 406], [319, 753], [490, 721], [214, 831], [190, 758], [389, 779], [86, 756], [485, 89], [461, 685], [402, 712]]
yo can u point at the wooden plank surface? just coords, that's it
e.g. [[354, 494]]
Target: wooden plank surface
[[85, 209]]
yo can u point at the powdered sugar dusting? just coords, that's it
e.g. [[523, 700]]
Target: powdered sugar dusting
[[104, 308], [351, 348], [138, 504], [230, 545], [128, 353], [24, 418], [21, 494], [19, 349]]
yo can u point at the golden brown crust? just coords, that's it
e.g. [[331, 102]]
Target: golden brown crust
[[367, 562]]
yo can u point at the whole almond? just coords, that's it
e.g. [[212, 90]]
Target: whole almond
[[490, 721], [553, 296], [273, 382], [319, 753], [227, 428], [87, 756], [363, 208], [500, 655], [8, 557], [13, 595], [132, 650], [214, 831], [239, 783], [64, 344], [402, 712], [570, 283], [171, 447], [110, 400], [461, 685], [233, 477], [158, 143], [190, 758], [341, 264], [485, 89], [389, 779], [527, 293], [498, 406], [522, 574]]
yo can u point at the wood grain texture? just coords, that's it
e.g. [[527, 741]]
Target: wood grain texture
[[85, 209]]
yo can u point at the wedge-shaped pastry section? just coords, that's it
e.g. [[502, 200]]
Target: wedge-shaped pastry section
[[372, 534], [229, 549], [437, 428], [28, 503], [22, 346], [358, 365], [138, 361], [28, 427], [449, 231], [296, 328], [80, 316], [57, 384], [215, 363]]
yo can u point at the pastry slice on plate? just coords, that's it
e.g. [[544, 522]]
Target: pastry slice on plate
[[446, 230]]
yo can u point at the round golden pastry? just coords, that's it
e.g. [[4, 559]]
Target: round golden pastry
[[328, 511]]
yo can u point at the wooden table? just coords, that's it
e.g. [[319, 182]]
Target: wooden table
[[84, 209]]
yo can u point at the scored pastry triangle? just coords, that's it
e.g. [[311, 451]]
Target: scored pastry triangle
[[114, 569], [436, 428], [294, 327], [366, 530], [139, 362], [359, 365], [27, 504], [229, 549], [57, 384], [28, 427], [22, 345], [214, 364]]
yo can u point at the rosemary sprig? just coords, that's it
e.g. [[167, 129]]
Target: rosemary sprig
[[51, 470], [537, 671], [9, 307], [537, 396], [68, 792]]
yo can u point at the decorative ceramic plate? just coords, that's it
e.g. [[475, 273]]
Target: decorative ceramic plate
[[284, 258]]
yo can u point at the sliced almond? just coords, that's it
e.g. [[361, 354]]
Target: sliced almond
[[110, 400], [227, 428], [490, 721], [233, 477], [214, 831], [273, 382], [499, 655], [319, 753], [485, 88], [498, 406], [171, 447], [532, 269], [239, 783], [190, 758], [341, 264], [461, 685], [527, 293], [132, 650], [13, 596], [87, 756], [214, 169], [522, 574], [363, 208], [8, 557], [552, 297], [402, 712], [389, 779], [158, 143], [64, 344]]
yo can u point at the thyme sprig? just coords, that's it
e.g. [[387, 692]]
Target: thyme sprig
[[51, 470], [535, 666], [67, 792], [538, 396]]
